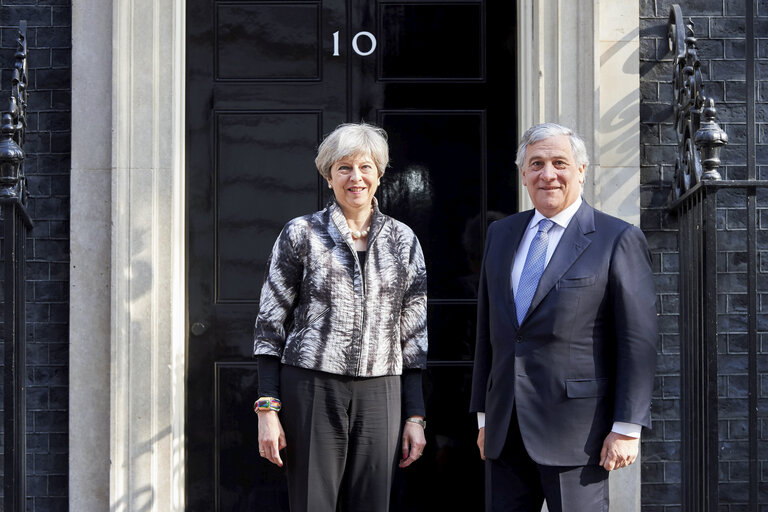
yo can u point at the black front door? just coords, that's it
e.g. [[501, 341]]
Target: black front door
[[266, 80]]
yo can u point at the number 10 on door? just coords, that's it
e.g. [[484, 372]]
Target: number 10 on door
[[355, 47]]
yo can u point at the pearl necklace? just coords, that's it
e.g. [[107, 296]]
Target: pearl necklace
[[356, 234]]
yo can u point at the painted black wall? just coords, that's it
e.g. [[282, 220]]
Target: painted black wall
[[661, 476], [47, 167]]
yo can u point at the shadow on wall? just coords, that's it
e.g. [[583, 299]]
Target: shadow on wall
[[142, 497], [619, 158]]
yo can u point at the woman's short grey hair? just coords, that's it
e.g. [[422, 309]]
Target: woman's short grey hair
[[546, 130], [351, 139]]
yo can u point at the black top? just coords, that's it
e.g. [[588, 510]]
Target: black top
[[413, 395]]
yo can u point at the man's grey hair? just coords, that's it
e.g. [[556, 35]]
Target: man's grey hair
[[350, 139], [543, 131]]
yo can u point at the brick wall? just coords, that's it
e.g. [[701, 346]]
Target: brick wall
[[720, 29], [47, 167], [661, 469]]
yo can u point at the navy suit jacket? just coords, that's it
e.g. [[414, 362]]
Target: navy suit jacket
[[585, 354]]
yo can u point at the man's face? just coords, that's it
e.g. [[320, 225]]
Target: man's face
[[551, 175]]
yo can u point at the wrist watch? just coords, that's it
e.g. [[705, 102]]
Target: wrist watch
[[418, 421]]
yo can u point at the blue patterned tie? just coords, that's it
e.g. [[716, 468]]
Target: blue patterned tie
[[532, 270]]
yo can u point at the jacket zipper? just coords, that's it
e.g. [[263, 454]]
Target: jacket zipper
[[365, 290], [363, 272], [362, 278], [362, 322]]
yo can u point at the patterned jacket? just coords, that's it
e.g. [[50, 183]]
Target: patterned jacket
[[318, 312]]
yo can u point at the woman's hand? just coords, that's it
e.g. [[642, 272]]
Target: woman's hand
[[413, 443], [271, 437]]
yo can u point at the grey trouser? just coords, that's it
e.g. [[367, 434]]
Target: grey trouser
[[342, 434], [516, 483]]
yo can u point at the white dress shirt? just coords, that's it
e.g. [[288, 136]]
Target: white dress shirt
[[561, 221]]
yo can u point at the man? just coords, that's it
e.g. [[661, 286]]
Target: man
[[566, 339]]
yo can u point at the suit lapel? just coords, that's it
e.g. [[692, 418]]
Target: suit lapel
[[572, 244], [517, 228]]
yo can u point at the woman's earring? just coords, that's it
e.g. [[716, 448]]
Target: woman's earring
[[379, 183], [329, 185]]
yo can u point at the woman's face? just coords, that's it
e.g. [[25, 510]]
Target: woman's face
[[354, 180]]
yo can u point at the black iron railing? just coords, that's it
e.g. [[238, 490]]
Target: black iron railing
[[714, 289], [16, 223]]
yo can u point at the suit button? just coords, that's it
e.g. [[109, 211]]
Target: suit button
[[519, 339]]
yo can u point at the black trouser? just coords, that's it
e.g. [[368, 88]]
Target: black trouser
[[516, 483], [342, 434]]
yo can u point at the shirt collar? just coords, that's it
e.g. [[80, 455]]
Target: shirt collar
[[562, 219]]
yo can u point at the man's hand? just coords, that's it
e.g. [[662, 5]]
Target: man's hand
[[618, 451], [271, 437], [481, 442]]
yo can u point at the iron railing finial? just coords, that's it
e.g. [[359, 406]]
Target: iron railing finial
[[14, 123], [699, 139], [11, 157], [710, 139]]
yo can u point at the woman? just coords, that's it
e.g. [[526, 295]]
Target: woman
[[342, 329]]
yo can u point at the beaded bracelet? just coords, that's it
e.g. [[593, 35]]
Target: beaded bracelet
[[267, 403]]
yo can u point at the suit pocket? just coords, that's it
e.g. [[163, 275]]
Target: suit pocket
[[576, 282], [586, 388]]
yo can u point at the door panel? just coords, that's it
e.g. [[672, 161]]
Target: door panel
[[256, 190], [274, 41], [431, 42], [244, 482], [265, 81], [436, 187]]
